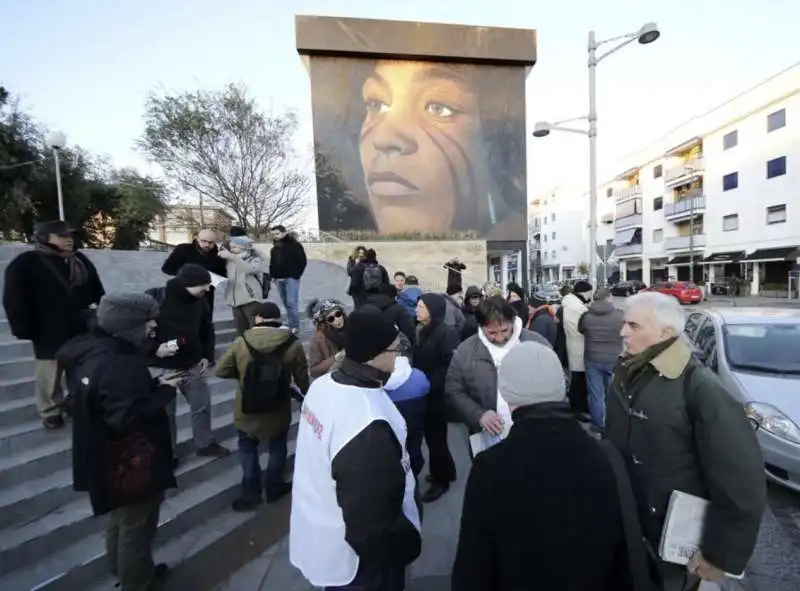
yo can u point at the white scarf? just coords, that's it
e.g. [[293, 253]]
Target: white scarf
[[498, 352]]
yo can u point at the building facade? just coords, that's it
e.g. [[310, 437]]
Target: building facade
[[182, 223], [717, 197]]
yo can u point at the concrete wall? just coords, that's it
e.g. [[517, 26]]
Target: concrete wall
[[423, 259], [122, 270]]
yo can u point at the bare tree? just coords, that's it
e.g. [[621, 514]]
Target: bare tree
[[218, 145]]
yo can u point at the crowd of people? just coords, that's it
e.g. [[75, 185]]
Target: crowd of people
[[382, 380]]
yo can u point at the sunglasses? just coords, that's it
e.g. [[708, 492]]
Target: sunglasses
[[332, 318]]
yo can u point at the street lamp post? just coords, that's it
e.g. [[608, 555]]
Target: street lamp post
[[57, 140], [645, 35]]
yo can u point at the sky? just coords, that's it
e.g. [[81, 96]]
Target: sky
[[85, 67]]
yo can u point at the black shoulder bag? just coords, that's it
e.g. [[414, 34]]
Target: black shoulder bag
[[640, 562]]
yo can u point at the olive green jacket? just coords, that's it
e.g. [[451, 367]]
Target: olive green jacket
[[682, 431], [233, 364]]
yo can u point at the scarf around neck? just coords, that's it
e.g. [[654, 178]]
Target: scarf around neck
[[634, 365], [78, 274]]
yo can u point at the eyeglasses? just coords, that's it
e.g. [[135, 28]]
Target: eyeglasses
[[332, 318]]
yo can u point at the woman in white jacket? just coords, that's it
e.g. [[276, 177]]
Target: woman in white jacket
[[574, 305], [248, 280]]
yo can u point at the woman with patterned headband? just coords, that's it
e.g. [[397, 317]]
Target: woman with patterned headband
[[330, 319]]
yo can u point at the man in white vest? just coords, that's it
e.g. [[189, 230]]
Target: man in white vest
[[355, 524]]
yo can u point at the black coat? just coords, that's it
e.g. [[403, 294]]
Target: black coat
[[190, 253], [544, 323], [121, 423], [432, 353], [397, 313], [40, 307], [541, 511], [186, 318], [356, 289], [287, 259]]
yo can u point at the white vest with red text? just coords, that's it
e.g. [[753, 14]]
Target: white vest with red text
[[332, 415]]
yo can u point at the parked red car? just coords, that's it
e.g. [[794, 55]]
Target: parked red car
[[684, 291]]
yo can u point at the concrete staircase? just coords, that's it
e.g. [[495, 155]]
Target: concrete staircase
[[49, 539]]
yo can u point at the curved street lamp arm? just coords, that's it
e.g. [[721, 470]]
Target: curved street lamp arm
[[628, 39], [569, 129]]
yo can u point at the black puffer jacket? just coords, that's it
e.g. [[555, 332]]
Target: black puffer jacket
[[399, 315], [435, 346]]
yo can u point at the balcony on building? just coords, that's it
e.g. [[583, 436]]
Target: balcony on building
[[629, 221], [686, 243], [689, 204], [684, 163], [628, 242], [630, 188]]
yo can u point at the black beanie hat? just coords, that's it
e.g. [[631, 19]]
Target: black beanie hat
[[267, 310], [191, 275], [582, 287], [237, 231], [436, 304], [369, 332]]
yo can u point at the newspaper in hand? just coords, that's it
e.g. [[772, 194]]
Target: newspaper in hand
[[483, 440], [217, 280], [683, 529]]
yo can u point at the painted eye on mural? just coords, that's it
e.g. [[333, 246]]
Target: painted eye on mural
[[439, 110], [376, 106]]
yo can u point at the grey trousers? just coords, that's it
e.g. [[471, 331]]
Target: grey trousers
[[49, 393], [129, 543], [197, 394]]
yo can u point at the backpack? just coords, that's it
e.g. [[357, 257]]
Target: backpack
[[266, 382], [373, 276], [159, 294]]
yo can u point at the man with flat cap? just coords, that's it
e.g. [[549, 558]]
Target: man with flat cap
[[184, 343], [48, 295]]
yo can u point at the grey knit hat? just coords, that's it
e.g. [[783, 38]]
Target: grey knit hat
[[531, 373], [124, 315]]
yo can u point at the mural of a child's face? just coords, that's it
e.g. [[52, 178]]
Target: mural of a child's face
[[419, 142]]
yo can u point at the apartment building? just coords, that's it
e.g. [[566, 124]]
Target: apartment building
[[557, 230], [717, 197]]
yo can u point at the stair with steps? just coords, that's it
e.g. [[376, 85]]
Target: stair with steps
[[49, 539]]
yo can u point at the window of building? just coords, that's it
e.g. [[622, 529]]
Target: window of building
[[730, 140], [776, 120], [730, 181], [658, 203], [545, 237], [776, 167], [776, 214], [658, 235], [609, 192], [564, 248], [658, 171], [730, 223], [553, 217], [554, 254], [554, 235]]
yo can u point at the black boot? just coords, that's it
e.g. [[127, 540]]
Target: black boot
[[435, 492], [277, 491]]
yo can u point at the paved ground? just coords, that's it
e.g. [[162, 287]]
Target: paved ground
[[720, 301], [775, 566]]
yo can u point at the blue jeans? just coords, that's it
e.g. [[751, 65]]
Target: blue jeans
[[289, 290], [251, 467], [598, 377]]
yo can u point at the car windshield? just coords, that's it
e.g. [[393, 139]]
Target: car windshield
[[624, 284], [550, 288], [763, 347]]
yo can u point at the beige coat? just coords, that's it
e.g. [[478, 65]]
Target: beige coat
[[233, 364], [574, 308]]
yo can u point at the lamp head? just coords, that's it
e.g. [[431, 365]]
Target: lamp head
[[56, 140], [541, 129], [648, 33]]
